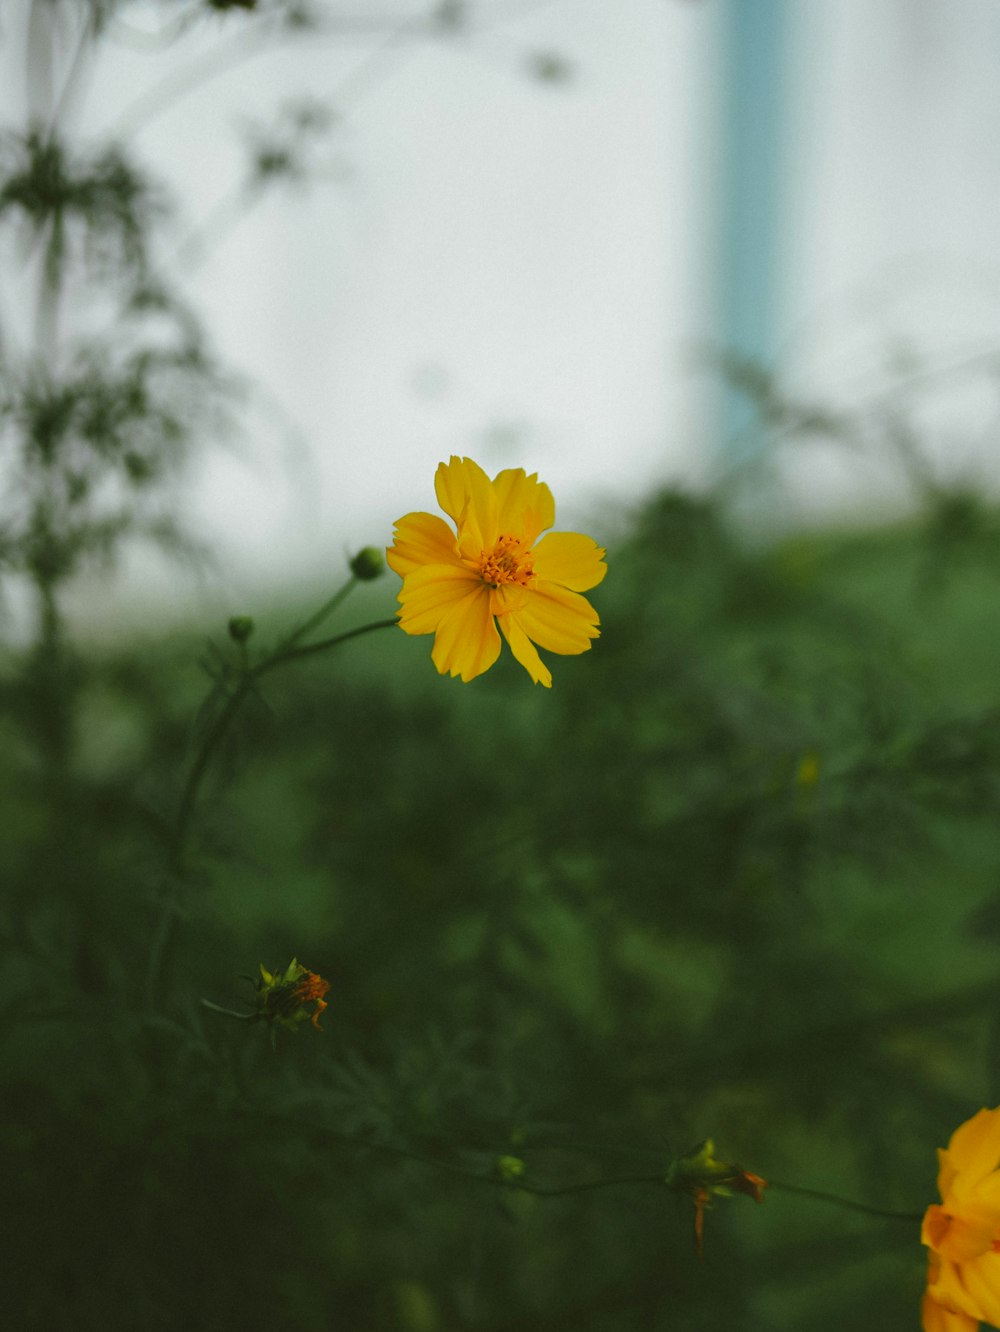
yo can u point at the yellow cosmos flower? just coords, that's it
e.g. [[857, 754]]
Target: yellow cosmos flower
[[963, 1231], [493, 570]]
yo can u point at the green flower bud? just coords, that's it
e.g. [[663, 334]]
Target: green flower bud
[[369, 563], [240, 628], [509, 1168], [283, 996], [700, 1174]]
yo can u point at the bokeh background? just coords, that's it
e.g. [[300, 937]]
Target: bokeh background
[[725, 273]]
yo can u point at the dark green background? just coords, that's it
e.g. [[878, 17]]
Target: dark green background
[[587, 927]]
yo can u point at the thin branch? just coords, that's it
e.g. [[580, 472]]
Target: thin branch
[[836, 1201], [75, 71], [497, 1180], [256, 38], [316, 620], [177, 840], [480, 1177], [177, 84], [310, 649], [141, 40], [229, 1012]]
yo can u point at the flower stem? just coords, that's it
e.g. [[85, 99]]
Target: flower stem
[[847, 1203], [314, 621], [660, 1177], [450, 1168], [228, 1012], [189, 796], [178, 834], [286, 652], [295, 653]]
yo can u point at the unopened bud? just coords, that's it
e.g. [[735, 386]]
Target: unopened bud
[[701, 1175], [509, 1168], [240, 628], [284, 996], [369, 563]]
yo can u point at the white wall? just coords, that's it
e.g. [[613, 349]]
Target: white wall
[[521, 270]]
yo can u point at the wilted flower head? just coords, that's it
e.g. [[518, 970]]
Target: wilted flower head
[[493, 570], [962, 1232], [285, 997], [699, 1174]]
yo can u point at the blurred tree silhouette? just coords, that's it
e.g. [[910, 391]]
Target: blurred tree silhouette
[[735, 876]]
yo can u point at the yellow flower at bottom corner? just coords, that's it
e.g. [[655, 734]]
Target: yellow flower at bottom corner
[[962, 1232], [493, 570]]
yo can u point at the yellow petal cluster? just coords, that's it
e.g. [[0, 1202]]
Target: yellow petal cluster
[[493, 570], [962, 1232]]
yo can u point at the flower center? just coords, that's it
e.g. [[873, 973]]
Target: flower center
[[507, 562]]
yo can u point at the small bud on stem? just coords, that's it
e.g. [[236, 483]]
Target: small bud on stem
[[369, 563], [240, 628]]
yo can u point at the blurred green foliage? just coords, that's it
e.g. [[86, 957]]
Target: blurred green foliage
[[733, 876]]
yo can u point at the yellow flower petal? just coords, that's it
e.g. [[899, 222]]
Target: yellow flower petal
[[524, 504], [571, 559], [963, 1233], [557, 619], [510, 597], [935, 1317], [466, 642], [524, 651], [430, 593], [466, 494], [947, 1171], [982, 1280], [963, 1237], [418, 539], [974, 1149], [972, 1288]]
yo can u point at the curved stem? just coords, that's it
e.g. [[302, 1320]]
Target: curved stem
[[588, 1185], [228, 1012], [221, 725], [450, 1168], [847, 1203], [175, 846], [255, 38], [161, 96], [177, 840], [296, 653], [564, 1190], [327, 608], [75, 71]]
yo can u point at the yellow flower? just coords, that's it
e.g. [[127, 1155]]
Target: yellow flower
[[963, 1230], [493, 570]]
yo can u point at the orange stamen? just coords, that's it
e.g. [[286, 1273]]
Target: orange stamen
[[507, 562]]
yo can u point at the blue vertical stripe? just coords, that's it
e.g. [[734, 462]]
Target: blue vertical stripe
[[755, 130]]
